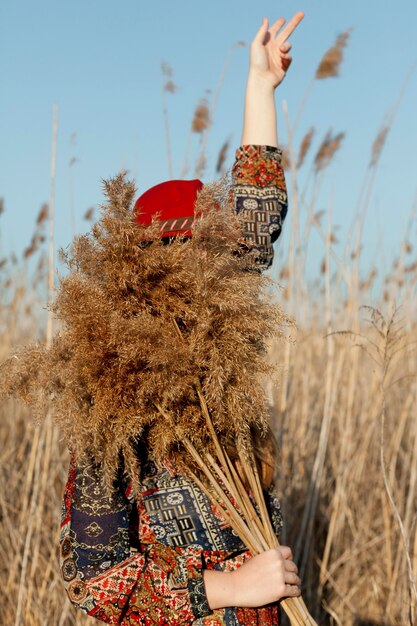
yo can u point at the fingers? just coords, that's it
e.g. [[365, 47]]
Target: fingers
[[290, 582], [260, 35], [290, 566], [285, 47], [292, 591], [289, 28], [292, 579], [286, 552], [276, 26]]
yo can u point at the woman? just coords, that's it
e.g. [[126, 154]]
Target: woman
[[168, 557]]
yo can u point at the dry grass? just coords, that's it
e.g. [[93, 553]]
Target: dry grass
[[346, 532]]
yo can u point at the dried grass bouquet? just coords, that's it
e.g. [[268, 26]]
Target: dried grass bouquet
[[143, 322]]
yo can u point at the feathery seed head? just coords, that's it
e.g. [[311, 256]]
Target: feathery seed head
[[201, 120], [330, 63], [328, 148], [305, 145]]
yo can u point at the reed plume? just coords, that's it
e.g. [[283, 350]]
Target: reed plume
[[201, 120], [327, 149], [378, 145], [305, 146], [332, 59], [222, 156], [168, 86]]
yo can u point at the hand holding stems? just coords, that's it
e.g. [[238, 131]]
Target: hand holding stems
[[268, 65], [265, 578]]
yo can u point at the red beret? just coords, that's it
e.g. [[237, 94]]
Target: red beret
[[172, 203]]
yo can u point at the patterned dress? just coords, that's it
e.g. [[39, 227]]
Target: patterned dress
[[140, 560]]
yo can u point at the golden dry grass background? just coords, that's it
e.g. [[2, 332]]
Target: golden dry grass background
[[344, 413]]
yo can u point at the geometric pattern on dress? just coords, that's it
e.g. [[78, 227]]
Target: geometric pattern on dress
[[259, 165], [263, 212], [92, 497], [274, 510], [74, 585], [221, 617], [93, 557], [255, 617], [198, 597], [108, 586], [260, 196], [180, 514], [93, 530]]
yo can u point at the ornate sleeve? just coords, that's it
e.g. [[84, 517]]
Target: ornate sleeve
[[109, 572], [260, 196]]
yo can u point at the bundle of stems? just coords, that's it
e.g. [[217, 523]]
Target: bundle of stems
[[227, 486]]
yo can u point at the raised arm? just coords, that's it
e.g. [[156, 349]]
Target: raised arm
[[259, 188], [269, 63]]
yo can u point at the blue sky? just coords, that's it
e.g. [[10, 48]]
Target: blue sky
[[100, 60]]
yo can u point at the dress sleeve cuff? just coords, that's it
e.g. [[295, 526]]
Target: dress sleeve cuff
[[251, 150], [198, 597]]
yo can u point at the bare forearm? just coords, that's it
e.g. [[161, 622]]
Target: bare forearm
[[260, 119]]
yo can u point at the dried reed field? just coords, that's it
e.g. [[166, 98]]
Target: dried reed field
[[342, 409]]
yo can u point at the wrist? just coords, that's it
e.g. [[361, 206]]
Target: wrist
[[220, 589], [234, 588], [259, 83]]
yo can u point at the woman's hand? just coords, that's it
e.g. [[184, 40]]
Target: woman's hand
[[267, 577], [268, 65], [269, 52]]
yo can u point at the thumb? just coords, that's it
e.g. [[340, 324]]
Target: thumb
[[260, 35]]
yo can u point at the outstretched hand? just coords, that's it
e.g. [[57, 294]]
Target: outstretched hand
[[269, 53]]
